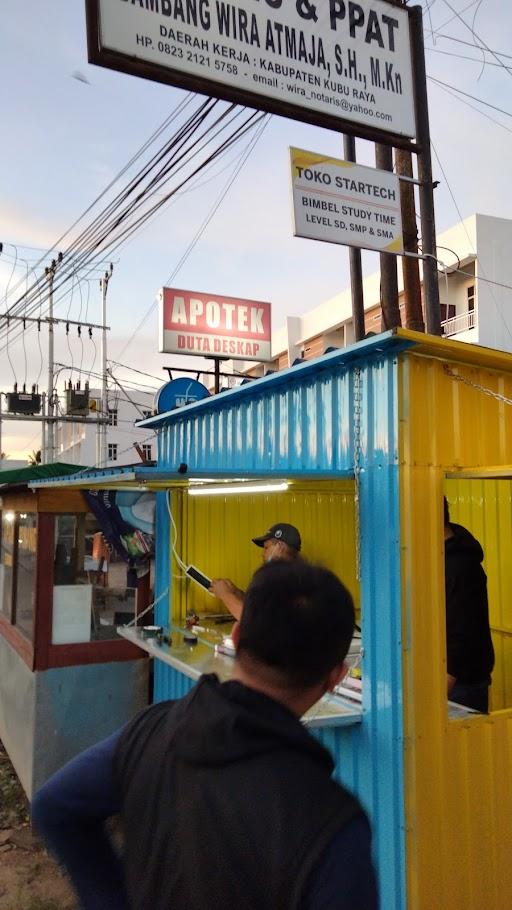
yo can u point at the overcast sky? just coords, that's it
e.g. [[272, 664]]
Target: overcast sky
[[64, 139]]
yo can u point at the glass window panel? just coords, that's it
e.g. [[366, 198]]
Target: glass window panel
[[90, 593], [25, 572], [6, 562]]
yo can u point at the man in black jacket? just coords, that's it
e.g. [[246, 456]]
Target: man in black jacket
[[227, 801], [468, 636]]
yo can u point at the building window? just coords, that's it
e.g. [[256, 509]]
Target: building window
[[90, 593], [112, 417], [471, 297], [448, 311], [112, 451], [7, 562], [147, 414], [146, 451], [18, 569]]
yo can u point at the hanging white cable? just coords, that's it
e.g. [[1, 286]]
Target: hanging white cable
[[175, 531]]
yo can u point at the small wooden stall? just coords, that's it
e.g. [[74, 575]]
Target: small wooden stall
[[67, 678], [357, 448]]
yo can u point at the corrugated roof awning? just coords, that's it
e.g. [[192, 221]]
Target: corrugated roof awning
[[133, 477], [21, 476], [396, 341]]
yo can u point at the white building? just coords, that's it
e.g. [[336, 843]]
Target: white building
[[76, 442], [475, 286]]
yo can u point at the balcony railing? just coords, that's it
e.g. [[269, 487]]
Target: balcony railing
[[461, 323]]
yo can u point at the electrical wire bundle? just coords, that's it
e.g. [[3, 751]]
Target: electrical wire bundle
[[198, 141]]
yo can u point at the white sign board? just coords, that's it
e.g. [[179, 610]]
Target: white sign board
[[332, 58], [341, 202], [72, 606]]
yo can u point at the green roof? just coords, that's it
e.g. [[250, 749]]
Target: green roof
[[19, 476]]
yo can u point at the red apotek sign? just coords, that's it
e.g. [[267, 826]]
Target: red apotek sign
[[215, 326]]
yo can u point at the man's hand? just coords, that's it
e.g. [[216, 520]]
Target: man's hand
[[231, 596], [220, 587]]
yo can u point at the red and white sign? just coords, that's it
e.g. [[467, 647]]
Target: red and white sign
[[213, 326]]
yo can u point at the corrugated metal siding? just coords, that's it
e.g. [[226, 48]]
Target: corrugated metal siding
[[379, 761], [485, 508], [168, 683], [316, 425], [458, 794], [216, 534], [301, 426]]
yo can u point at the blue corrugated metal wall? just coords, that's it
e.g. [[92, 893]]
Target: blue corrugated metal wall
[[338, 420], [302, 426]]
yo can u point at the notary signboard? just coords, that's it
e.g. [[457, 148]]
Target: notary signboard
[[330, 62], [341, 202]]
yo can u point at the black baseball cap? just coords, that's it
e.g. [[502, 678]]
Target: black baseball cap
[[287, 533]]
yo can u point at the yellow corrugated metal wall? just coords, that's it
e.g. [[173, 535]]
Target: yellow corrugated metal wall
[[214, 533], [458, 793], [485, 508]]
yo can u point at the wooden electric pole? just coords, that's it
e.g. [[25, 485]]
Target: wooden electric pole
[[356, 269], [410, 265], [390, 310]]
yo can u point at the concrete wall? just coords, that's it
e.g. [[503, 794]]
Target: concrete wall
[[77, 442], [483, 237], [78, 706], [46, 718], [17, 712], [494, 243]]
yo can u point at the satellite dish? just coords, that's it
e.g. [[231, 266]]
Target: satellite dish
[[178, 393]]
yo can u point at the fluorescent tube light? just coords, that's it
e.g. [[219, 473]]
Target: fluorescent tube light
[[223, 489]]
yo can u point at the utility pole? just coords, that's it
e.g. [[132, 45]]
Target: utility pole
[[410, 265], [390, 317], [43, 428], [50, 271], [428, 224], [354, 255], [101, 435]]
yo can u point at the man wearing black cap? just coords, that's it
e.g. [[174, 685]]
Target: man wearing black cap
[[281, 541]]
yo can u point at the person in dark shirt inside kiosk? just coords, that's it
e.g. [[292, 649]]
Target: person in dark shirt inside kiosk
[[470, 651], [281, 541]]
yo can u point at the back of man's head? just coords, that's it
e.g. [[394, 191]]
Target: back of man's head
[[298, 620]]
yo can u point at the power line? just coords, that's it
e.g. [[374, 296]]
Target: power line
[[437, 50], [482, 42], [134, 370], [472, 44], [203, 227], [467, 95], [184, 147], [81, 238], [168, 120], [473, 108], [457, 209], [447, 22]]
